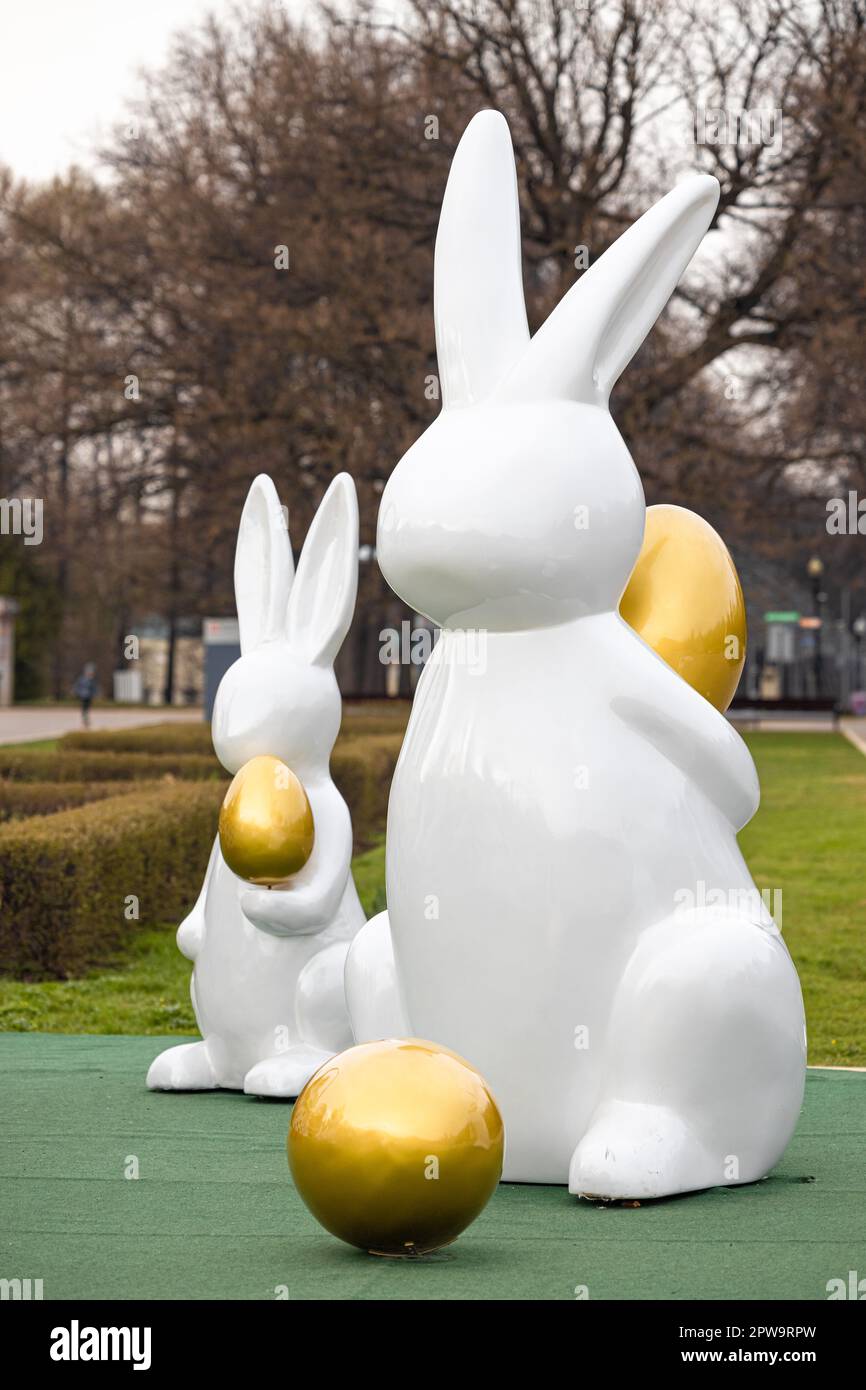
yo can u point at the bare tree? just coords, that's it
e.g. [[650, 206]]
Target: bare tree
[[249, 285]]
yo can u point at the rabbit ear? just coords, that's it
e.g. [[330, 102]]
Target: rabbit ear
[[323, 595], [596, 329], [263, 565], [480, 315]]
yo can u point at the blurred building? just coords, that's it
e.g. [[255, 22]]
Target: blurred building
[[144, 679], [803, 635], [8, 614]]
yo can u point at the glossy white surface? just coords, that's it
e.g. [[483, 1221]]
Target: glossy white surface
[[568, 906], [372, 992], [267, 986]]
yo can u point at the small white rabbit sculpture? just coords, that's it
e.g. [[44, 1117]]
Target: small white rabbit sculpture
[[567, 904], [267, 987]]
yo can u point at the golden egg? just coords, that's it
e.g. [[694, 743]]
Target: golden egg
[[396, 1146], [266, 825], [684, 599]]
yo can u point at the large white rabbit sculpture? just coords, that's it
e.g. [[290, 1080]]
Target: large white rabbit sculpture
[[267, 987], [562, 796]]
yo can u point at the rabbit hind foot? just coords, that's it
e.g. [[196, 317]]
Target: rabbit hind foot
[[187, 1067], [635, 1151], [284, 1077], [705, 1065]]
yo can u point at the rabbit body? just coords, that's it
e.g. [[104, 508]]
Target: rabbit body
[[252, 988], [267, 986], [548, 846]]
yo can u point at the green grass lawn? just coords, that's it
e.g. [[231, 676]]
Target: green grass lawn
[[808, 842], [148, 992]]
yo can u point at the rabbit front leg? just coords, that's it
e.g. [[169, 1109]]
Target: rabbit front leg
[[321, 899], [686, 730], [706, 1061], [323, 1022]]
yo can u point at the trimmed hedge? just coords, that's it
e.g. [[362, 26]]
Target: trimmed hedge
[[366, 726], [23, 765], [153, 738], [18, 800], [65, 879], [375, 717], [359, 720], [362, 769]]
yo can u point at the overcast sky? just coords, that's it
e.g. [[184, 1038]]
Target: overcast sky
[[66, 67]]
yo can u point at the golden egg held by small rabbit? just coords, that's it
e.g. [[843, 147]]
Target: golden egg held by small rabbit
[[266, 826]]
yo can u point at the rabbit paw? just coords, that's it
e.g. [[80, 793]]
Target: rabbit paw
[[281, 913], [284, 1077], [632, 1150], [184, 1068]]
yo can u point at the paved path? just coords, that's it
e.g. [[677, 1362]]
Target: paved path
[[855, 732], [784, 726], [852, 729], [23, 723]]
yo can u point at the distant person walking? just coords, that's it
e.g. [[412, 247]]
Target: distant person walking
[[84, 690]]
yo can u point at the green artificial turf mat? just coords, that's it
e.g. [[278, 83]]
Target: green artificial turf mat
[[214, 1214]]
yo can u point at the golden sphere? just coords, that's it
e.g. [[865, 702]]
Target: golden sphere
[[684, 599], [396, 1146], [266, 824]]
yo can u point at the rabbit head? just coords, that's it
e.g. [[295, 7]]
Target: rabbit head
[[281, 696], [520, 506]]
